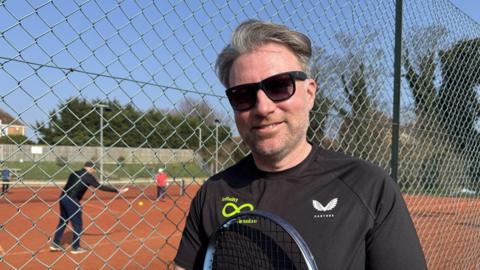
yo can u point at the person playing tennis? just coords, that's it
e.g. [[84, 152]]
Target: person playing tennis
[[5, 179], [70, 206], [349, 211], [161, 181]]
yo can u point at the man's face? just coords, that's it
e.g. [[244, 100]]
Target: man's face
[[273, 130], [91, 170]]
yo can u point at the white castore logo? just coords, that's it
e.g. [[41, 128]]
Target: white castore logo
[[330, 205]]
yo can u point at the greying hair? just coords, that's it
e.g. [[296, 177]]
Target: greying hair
[[253, 33]]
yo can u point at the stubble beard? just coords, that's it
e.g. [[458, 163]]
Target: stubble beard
[[281, 148]]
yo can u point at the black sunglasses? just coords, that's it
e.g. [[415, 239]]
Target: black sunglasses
[[277, 88]]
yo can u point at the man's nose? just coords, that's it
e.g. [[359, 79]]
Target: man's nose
[[264, 104]]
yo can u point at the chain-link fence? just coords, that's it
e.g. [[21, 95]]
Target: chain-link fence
[[134, 80]]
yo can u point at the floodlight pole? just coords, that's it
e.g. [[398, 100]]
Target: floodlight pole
[[199, 138], [101, 106]]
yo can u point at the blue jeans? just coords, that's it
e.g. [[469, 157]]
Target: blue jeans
[[5, 185], [160, 192], [70, 210]]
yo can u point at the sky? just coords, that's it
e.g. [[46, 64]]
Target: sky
[[470, 7], [155, 55]]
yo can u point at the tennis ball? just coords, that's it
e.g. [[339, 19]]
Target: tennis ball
[[140, 203]]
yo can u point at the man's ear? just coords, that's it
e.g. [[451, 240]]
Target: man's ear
[[311, 90]]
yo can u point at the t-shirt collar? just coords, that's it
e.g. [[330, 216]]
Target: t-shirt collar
[[295, 170]]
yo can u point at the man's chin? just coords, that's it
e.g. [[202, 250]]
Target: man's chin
[[267, 151]]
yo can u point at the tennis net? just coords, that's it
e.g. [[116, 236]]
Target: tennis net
[[19, 191]]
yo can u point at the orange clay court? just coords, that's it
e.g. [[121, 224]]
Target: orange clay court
[[121, 233], [118, 231]]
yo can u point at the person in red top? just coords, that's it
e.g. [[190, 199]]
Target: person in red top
[[161, 181]]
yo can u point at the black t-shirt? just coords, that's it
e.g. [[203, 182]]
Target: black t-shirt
[[350, 212], [78, 182]]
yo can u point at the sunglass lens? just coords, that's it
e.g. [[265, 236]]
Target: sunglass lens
[[279, 87], [242, 98]]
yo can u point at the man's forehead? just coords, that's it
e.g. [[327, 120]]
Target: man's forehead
[[261, 63]]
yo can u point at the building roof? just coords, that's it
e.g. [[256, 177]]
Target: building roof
[[7, 119]]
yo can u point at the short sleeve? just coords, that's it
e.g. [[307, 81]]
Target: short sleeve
[[190, 254], [393, 242]]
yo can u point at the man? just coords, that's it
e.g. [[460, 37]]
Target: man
[[365, 223], [5, 179], [161, 179], [70, 207]]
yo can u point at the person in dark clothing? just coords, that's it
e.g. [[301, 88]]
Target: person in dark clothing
[[70, 207], [350, 213], [5, 179]]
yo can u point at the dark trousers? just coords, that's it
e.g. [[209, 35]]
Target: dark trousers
[[5, 185], [160, 192], [70, 210]]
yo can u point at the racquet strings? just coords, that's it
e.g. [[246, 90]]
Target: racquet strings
[[255, 242]]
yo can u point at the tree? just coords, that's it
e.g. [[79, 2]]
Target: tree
[[77, 122], [364, 127], [155, 127], [459, 105], [201, 116], [454, 103], [459, 102], [71, 124], [123, 128], [449, 106], [322, 105], [354, 72], [15, 139], [420, 63]]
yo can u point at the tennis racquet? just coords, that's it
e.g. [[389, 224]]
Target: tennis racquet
[[257, 240]]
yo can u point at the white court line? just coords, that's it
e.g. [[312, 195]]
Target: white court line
[[46, 250]]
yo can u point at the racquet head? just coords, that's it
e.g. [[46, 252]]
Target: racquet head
[[257, 240]]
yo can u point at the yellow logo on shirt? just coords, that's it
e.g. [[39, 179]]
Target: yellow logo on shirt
[[231, 208]]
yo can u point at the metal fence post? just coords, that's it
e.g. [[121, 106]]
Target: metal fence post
[[396, 89]]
